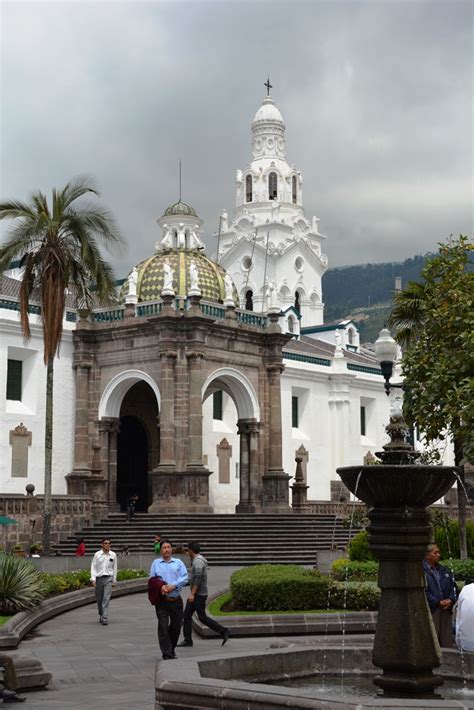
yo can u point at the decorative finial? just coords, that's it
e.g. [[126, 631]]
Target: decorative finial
[[268, 85]]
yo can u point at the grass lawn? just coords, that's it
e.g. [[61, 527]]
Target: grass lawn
[[4, 619], [215, 608]]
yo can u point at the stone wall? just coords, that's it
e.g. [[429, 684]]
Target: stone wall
[[69, 515]]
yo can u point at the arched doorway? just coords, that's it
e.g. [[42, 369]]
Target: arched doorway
[[132, 463]]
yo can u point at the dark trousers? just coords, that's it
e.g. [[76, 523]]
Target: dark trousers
[[443, 623], [170, 618], [130, 512], [198, 606]]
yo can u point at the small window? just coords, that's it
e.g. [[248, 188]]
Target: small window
[[272, 186], [14, 376], [351, 336], [294, 190], [249, 300], [248, 189], [217, 405], [294, 412], [290, 325], [362, 421]]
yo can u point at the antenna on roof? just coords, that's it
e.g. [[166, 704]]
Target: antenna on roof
[[180, 179]]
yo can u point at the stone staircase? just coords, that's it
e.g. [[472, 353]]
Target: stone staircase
[[225, 539]]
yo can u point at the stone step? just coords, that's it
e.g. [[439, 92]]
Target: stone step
[[226, 539]]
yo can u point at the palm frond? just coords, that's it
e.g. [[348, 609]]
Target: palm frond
[[77, 187], [14, 209]]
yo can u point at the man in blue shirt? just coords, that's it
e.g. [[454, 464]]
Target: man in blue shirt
[[441, 593], [170, 609]]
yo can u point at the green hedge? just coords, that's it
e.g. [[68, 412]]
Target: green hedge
[[446, 536], [359, 548], [294, 588], [70, 581], [347, 571]]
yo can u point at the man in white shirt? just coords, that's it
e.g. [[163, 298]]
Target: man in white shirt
[[103, 576], [465, 619]]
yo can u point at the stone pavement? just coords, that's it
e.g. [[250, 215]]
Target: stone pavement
[[97, 667]]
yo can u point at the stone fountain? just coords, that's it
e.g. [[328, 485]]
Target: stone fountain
[[397, 492]]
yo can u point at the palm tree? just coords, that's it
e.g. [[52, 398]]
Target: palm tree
[[407, 314], [58, 248]]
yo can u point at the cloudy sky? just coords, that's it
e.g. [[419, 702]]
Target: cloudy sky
[[376, 95]]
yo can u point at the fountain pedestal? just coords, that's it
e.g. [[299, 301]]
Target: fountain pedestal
[[397, 492]]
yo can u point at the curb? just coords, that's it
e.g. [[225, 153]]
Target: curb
[[19, 625], [349, 622]]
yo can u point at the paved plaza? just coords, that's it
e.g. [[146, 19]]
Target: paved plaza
[[97, 667]]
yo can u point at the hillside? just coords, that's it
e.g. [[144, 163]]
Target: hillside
[[365, 292]]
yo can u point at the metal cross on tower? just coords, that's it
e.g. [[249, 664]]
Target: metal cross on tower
[[268, 85]]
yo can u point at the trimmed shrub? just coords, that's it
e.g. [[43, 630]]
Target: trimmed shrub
[[70, 581], [294, 588], [359, 548], [355, 596], [278, 588], [347, 571], [463, 570], [447, 538], [21, 584]]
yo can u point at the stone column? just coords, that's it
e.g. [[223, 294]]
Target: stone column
[[249, 469], [275, 481], [109, 428], [167, 430], [81, 441], [195, 409]]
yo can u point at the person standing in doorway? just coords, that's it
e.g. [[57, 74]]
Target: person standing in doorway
[[441, 593], [103, 576], [169, 611], [131, 503], [198, 597]]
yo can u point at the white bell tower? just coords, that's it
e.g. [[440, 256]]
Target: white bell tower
[[270, 246]]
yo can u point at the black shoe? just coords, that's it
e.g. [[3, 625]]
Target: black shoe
[[184, 643], [168, 658], [225, 636], [9, 696]]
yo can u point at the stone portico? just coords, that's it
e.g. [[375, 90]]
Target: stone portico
[[159, 369]]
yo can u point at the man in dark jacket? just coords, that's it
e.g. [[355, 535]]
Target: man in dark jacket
[[441, 593], [198, 597]]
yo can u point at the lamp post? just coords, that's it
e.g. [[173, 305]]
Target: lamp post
[[386, 350]]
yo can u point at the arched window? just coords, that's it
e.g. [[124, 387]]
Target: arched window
[[249, 300], [290, 325], [351, 336], [248, 189], [294, 189], [272, 186], [297, 302]]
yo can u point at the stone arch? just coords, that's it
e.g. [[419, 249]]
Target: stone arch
[[117, 388], [238, 387]]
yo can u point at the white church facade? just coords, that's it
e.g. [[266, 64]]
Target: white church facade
[[210, 377]]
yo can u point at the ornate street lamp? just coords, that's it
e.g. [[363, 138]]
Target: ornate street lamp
[[386, 350]]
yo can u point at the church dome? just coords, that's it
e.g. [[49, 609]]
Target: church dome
[[180, 208], [268, 112], [150, 279]]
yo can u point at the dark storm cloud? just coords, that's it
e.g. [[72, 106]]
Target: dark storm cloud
[[377, 99]]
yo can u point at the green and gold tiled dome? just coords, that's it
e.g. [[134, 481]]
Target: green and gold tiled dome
[[150, 276]]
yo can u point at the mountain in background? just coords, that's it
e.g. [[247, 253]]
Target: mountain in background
[[364, 293]]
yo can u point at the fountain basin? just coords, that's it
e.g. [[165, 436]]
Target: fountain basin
[[241, 681], [395, 486]]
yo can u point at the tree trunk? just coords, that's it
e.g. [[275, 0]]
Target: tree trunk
[[48, 457], [462, 501]]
